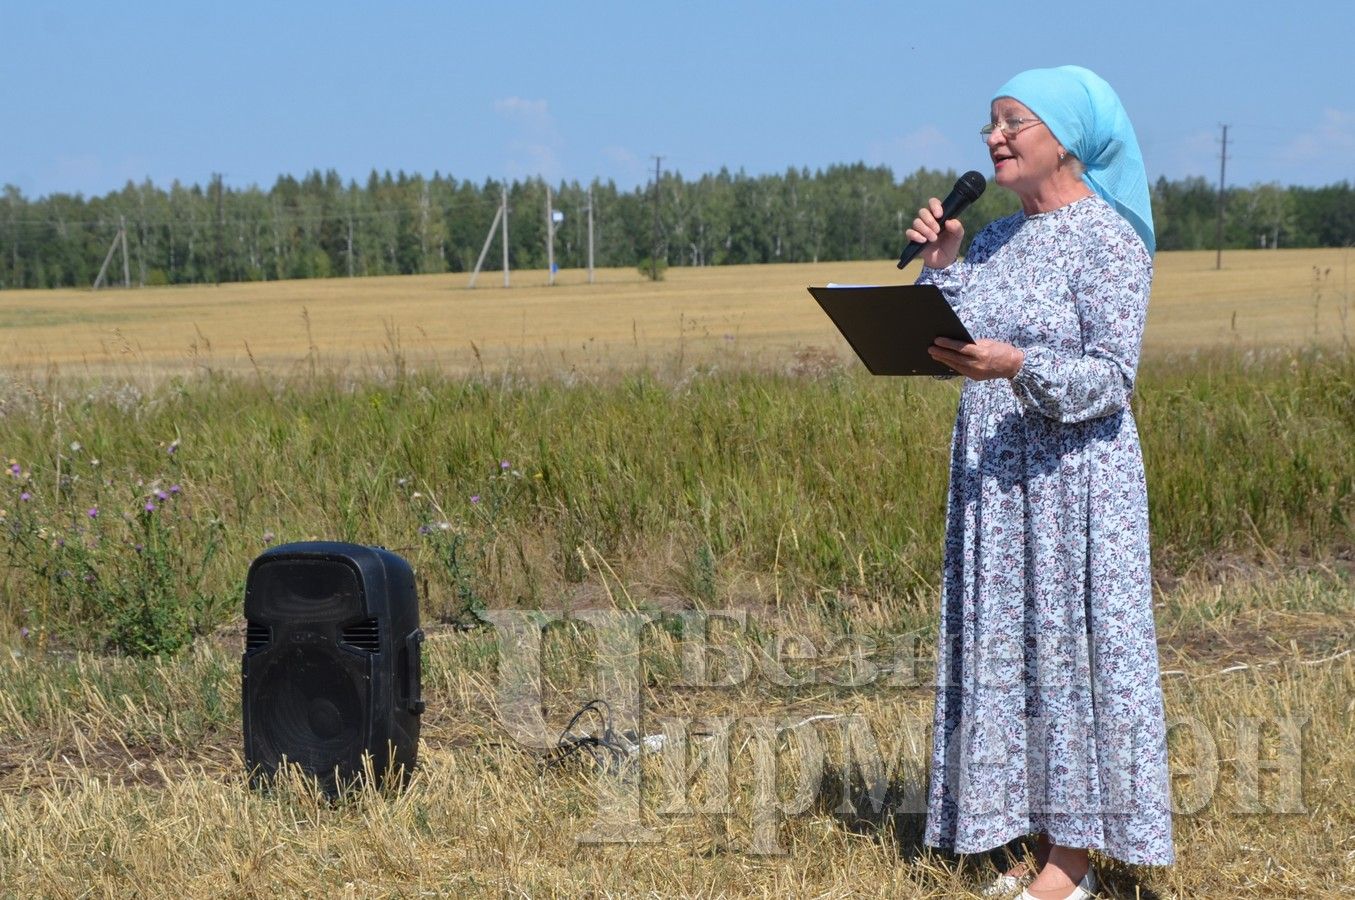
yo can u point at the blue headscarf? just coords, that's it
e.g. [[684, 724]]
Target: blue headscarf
[[1086, 116]]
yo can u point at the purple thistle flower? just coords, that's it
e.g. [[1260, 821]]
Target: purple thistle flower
[[173, 447], [15, 470], [25, 496], [162, 496], [175, 489], [150, 507], [24, 632], [425, 529], [503, 464], [475, 498], [92, 512]]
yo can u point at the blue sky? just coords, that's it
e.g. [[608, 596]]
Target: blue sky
[[94, 94]]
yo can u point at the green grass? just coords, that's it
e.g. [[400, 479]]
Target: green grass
[[1250, 453], [753, 484]]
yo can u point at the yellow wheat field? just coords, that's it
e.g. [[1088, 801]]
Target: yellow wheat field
[[721, 315]]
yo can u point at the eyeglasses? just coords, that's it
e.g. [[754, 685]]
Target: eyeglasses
[[1010, 127]]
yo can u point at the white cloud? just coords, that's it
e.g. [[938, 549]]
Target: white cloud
[[535, 113], [622, 156], [624, 165], [926, 146], [1320, 152], [1332, 137], [1196, 153], [528, 160], [535, 145]]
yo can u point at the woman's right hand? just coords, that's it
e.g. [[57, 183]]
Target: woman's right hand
[[943, 242]]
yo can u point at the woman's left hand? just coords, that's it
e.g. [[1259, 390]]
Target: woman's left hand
[[982, 360]]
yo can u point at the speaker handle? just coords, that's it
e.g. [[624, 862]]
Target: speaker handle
[[411, 679]]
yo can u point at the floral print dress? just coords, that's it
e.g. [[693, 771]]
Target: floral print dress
[[1049, 713]]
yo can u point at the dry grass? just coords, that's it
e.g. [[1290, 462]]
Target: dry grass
[[119, 778], [728, 315]]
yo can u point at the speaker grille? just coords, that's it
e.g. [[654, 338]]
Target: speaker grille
[[365, 636], [315, 716], [310, 590], [257, 636]]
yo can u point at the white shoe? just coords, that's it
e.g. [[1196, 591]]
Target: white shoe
[[1086, 888], [1004, 886]]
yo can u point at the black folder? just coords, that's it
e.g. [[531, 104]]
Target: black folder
[[891, 326]]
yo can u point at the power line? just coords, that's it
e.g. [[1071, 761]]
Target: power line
[[283, 218]]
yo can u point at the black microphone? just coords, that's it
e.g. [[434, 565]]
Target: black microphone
[[966, 191]]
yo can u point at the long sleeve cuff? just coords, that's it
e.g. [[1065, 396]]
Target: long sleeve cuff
[[1068, 389], [948, 279]]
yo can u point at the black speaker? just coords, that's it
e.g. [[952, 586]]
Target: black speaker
[[332, 663]]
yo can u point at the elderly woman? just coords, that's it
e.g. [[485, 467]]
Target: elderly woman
[[1049, 716]]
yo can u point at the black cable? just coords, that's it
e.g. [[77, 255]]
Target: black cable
[[604, 747]]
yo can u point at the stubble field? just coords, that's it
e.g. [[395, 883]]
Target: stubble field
[[697, 450], [724, 315]]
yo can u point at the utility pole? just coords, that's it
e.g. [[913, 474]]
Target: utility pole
[[118, 239], [500, 214], [590, 234], [550, 240], [423, 225], [220, 228], [126, 266], [654, 252], [504, 219], [349, 254], [1223, 162]]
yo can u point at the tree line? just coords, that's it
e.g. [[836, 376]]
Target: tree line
[[320, 226]]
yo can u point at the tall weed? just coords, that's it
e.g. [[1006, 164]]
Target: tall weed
[[830, 484]]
